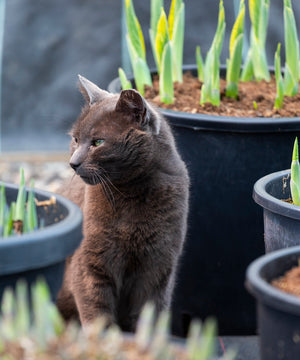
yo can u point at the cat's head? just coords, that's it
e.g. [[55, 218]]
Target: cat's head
[[114, 138]]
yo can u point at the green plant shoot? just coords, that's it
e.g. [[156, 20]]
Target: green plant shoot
[[235, 54], [279, 80], [136, 49], [256, 62], [295, 175], [291, 74], [201, 339], [19, 217], [161, 38], [166, 90], [19, 214], [134, 30], [165, 29], [200, 64], [125, 83], [176, 33], [2, 206], [210, 91], [31, 214]]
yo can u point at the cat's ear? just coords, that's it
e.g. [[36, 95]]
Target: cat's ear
[[133, 103], [91, 92]]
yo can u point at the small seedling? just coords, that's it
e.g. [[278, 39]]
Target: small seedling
[[279, 80], [295, 175], [210, 91], [18, 217], [235, 54], [292, 71], [256, 62]]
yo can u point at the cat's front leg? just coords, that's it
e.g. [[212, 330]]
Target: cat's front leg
[[94, 296]]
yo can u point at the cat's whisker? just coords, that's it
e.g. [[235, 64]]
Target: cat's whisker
[[98, 179], [107, 179], [107, 191]]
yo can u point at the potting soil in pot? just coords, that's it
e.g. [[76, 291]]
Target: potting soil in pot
[[289, 282], [256, 99]]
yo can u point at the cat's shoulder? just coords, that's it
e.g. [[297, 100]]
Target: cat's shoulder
[[73, 189]]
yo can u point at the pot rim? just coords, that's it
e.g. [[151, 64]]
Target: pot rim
[[263, 291], [271, 203], [220, 123], [43, 246]]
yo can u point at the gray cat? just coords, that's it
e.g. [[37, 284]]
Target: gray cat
[[133, 189]]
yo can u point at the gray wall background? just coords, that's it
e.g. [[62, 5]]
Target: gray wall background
[[48, 42]]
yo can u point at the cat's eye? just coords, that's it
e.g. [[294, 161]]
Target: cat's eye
[[76, 139], [97, 142]]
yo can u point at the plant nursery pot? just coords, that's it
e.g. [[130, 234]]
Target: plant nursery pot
[[281, 218], [278, 313], [41, 252], [224, 156]]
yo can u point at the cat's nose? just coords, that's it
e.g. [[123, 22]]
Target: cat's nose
[[74, 165]]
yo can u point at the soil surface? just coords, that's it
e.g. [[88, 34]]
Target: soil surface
[[187, 99], [289, 282]]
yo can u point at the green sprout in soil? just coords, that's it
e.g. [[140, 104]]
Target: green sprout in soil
[[167, 39], [235, 54], [210, 91], [125, 83], [166, 35], [295, 175], [292, 71], [21, 216], [256, 63], [36, 330], [136, 48], [279, 80]]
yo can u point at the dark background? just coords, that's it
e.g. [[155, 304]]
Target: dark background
[[48, 42]]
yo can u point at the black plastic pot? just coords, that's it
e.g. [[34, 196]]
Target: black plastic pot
[[278, 312], [42, 252], [225, 156], [281, 218]]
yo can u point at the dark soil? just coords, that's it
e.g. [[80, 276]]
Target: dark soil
[[289, 282], [187, 99]]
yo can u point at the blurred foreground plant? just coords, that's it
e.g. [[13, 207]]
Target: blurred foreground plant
[[38, 332]]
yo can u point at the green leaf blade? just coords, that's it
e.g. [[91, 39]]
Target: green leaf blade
[[134, 30], [295, 175], [166, 90], [162, 37], [177, 42]]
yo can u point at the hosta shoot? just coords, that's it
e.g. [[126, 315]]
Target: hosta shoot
[[210, 91], [279, 80], [136, 48], [292, 72], [256, 62], [295, 175], [235, 54]]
